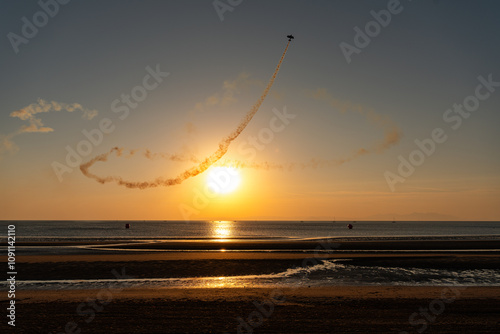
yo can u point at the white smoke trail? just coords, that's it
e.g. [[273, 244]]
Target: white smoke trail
[[193, 171]]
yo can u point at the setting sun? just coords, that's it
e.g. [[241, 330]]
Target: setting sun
[[223, 180]]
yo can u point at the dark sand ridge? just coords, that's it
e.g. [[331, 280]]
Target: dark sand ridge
[[224, 264]]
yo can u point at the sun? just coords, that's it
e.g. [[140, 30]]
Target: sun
[[223, 180]]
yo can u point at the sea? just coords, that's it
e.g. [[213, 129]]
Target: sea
[[112, 230], [317, 272]]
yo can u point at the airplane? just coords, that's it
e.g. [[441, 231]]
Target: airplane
[[290, 37]]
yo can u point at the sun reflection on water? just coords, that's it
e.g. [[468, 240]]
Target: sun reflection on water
[[222, 229], [223, 282]]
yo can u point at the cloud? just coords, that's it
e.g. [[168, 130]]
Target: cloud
[[6, 145], [189, 127], [392, 133], [35, 124], [229, 93]]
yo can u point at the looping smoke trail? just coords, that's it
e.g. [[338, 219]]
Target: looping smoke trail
[[193, 171], [290, 166]]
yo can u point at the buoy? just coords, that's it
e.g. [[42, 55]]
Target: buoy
[[127, 225]]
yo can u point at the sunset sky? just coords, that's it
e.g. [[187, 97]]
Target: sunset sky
[[356, 104]]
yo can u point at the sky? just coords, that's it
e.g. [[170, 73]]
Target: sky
[[379, 109]]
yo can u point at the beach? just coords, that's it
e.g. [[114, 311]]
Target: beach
[[301, 310], [193, 291]]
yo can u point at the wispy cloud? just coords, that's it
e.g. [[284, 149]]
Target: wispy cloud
[[35, 123], [6, 144], [229, 92], [226, 96], [392, 133]]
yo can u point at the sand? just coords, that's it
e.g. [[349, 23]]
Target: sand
[[302, 310], [339, 309]]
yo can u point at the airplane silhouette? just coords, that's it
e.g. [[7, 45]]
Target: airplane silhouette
[[290, 37]]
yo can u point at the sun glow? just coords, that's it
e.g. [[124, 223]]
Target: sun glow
[[223, 180]]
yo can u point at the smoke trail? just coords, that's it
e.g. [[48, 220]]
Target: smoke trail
[[193, 171], [121, 152], [290, 166]]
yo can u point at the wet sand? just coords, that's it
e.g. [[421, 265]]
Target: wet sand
[[202, 264], [331, 244]]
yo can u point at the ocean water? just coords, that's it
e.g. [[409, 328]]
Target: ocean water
[[105, 230]]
